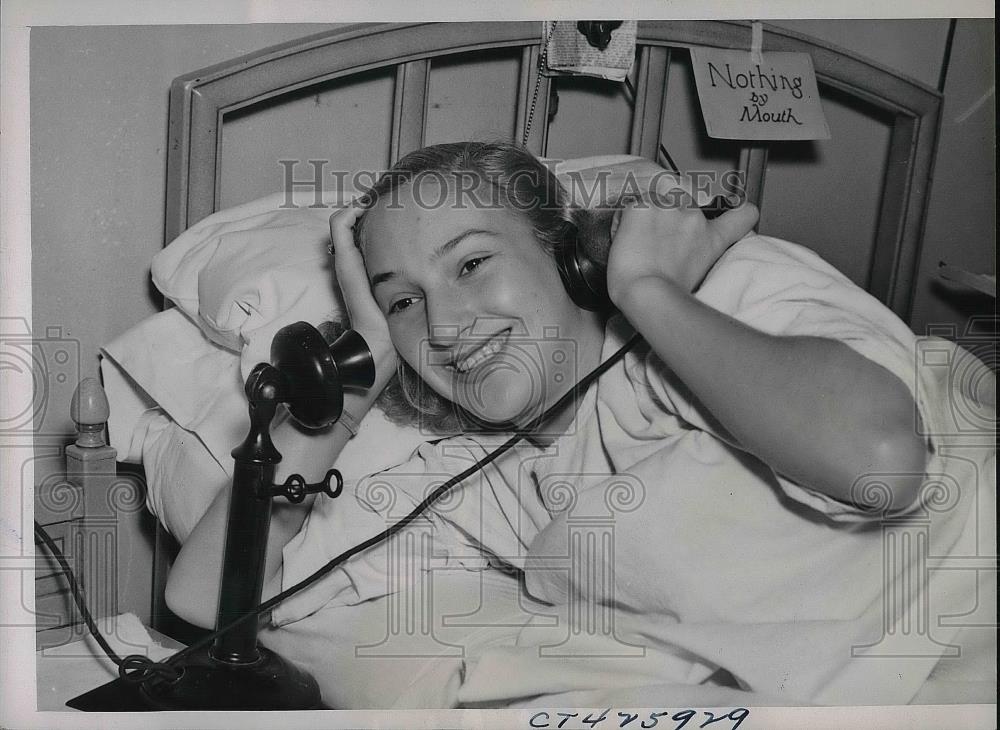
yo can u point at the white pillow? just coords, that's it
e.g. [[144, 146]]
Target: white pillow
[[243, 273]]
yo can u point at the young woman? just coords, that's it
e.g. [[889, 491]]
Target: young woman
[[748, 425]]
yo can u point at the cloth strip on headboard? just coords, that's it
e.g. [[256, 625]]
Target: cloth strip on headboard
[[569, 52], [756, 41]]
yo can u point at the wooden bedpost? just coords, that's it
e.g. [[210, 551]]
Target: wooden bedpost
[[91, 466], [90, 455]]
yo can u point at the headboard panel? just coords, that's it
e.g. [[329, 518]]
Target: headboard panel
[[199, 102]]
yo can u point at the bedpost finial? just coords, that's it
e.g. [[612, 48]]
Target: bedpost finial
[[90, 411]]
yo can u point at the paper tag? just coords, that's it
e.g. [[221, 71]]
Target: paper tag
[[772, 98]]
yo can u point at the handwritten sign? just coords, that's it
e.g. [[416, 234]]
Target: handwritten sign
[[770, 97]]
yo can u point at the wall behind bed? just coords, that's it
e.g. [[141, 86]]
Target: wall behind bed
[[98, 130], [98, 134]]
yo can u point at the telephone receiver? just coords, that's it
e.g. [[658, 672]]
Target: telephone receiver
[[583, 265]]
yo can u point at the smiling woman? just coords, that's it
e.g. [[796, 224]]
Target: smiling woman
[[718, 464], [459, 244], [449, 268]]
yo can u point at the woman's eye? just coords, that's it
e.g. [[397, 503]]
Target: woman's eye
[[472, 264], [400, 304]]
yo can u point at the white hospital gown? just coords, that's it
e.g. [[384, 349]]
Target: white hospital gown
[[703, 555]]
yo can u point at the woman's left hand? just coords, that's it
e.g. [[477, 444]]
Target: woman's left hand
[[671, 239], [366, 317]]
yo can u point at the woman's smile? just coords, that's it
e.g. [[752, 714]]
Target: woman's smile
[[480, 353]]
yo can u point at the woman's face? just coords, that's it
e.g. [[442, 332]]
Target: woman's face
[[474, 304]]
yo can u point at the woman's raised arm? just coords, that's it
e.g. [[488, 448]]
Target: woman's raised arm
[[811, 408]]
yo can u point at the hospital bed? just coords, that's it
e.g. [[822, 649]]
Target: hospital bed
[[873, 175]]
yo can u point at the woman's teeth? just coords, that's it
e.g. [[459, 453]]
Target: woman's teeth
[[488, 350]]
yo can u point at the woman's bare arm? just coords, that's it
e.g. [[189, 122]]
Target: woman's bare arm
[[811, 408], [192, 590]]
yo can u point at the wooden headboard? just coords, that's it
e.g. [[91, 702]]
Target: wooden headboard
[[200, 102]]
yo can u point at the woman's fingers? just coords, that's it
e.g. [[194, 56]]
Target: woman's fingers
[[734, 224], [351, 273], [667, 233], [347, 258], [352, 276]]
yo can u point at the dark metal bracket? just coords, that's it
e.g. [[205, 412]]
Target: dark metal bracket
[[296, 488]]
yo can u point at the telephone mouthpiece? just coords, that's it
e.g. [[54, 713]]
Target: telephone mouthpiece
[[317, 373], [353, 359]]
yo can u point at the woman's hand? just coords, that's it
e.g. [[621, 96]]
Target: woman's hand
[[366, 317], [669, 237]]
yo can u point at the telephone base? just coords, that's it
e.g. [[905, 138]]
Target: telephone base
[[271, 683]]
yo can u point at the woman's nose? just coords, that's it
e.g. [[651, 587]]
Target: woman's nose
[[447, 314]]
